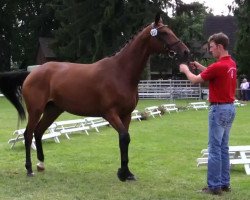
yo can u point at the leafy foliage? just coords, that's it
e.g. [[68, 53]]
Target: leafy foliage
[[91, 30], [23, 22], [7, 21], [242, 12], [85, 30], [187, 23]]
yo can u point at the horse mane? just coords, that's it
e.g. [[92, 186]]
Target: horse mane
[[129, 40]]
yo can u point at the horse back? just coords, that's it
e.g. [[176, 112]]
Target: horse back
[[82, 89]]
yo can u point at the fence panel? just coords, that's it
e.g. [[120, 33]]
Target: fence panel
[[168, 89]]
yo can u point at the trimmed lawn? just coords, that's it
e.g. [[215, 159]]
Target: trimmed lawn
[[163, 153]]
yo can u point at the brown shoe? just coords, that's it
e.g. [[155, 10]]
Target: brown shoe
[[207, 190], [226, 189]]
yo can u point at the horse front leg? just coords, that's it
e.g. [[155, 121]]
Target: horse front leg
[[124, 140], [124, 172]]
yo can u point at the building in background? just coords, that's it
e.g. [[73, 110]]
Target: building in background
[[45, 53]]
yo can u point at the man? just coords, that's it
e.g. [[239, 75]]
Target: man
[[221, 76], [244, 87]]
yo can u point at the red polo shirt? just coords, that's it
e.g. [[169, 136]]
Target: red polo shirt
[[222, 80]]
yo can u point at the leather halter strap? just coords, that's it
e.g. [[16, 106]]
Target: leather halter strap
[[167, 46]]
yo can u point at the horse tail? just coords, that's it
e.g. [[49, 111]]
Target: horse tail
[[10, 86]]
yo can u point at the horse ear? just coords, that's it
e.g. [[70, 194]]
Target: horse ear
[[158, 18]]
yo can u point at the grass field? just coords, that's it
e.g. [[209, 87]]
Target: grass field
[[162, 153]]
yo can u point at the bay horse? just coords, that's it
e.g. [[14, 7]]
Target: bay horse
[[107, 88]]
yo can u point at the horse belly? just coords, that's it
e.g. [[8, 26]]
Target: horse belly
[[84, 109], [92, 103], [78, 104]]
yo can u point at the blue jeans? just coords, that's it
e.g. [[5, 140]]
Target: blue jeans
[[220, 121]]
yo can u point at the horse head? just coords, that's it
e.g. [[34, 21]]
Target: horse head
[[163, 40]]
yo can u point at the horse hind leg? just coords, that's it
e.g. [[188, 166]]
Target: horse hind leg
[[50, 114], [28, 136]]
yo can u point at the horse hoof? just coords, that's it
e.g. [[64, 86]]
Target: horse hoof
[[30, 174], [40, 167], [125, 175], [131, 178]]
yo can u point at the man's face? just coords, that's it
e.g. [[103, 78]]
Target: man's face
[[214, 49]]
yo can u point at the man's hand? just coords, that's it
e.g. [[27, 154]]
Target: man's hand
[[184, 68], [195, 65], [192, 77]]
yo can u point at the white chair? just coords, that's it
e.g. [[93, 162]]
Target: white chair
[[198, 105], [238, 155], [136, 115], [67, 127], [170, 107], [49, 134], [153, 111], [95, 122], [237, 103]]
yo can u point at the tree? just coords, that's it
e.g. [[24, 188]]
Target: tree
[[84, 30], [187, 23], [91, 30], [7, 21], [242, 13], [88, 28], [22, 23], [35, 19]]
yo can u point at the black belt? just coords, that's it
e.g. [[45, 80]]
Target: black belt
[[220, 103]]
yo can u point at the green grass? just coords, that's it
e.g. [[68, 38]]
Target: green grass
[[162, 154]]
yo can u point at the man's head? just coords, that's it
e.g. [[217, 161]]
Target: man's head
[[218, 44]]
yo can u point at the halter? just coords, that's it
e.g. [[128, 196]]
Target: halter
[[154, 33]]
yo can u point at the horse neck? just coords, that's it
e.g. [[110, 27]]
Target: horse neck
[[133, 58]]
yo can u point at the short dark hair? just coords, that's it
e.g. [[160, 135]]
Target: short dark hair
[[219, 38]]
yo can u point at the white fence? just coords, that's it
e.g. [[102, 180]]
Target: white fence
[[168, 89]]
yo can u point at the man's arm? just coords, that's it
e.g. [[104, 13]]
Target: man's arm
[[192, 77], [197, 65]]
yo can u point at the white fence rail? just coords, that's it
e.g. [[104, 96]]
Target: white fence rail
[[168, 89]]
